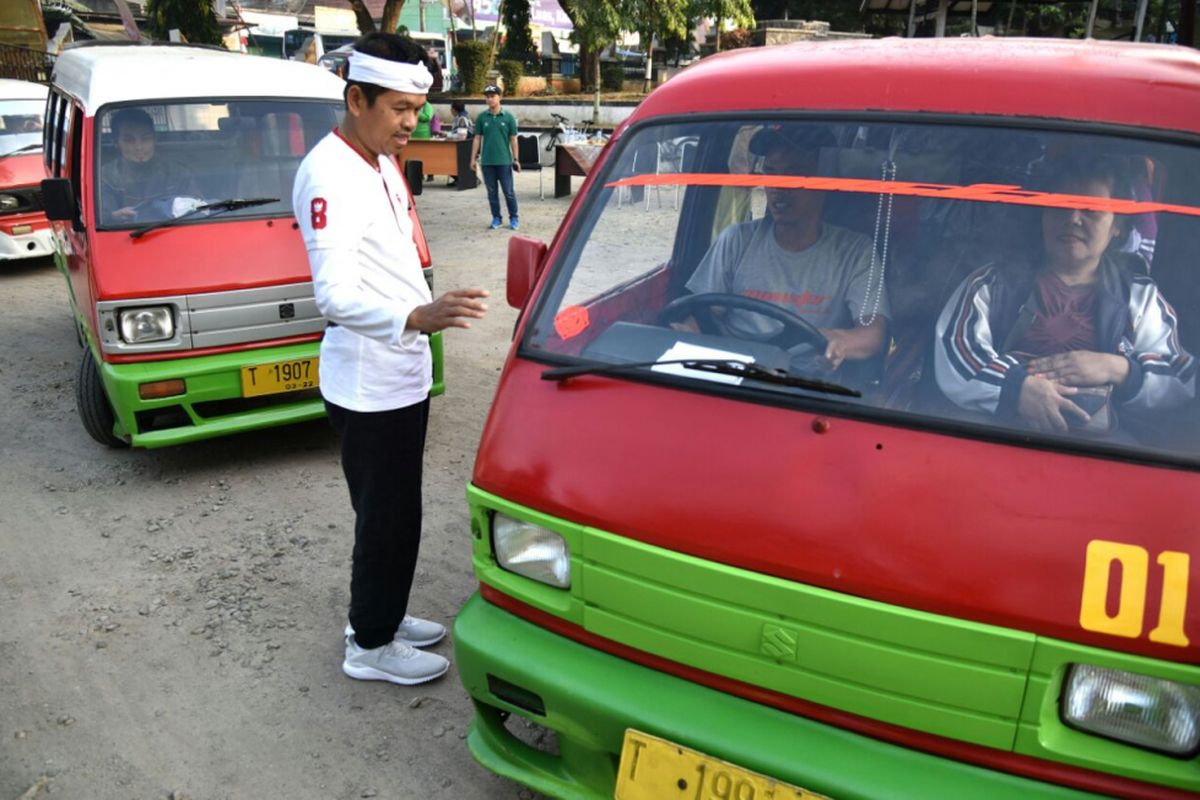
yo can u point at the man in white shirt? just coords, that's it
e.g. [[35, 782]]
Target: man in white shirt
[[376, 369]]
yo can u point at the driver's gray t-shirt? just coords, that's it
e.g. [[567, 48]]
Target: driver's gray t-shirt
[[826, 283]]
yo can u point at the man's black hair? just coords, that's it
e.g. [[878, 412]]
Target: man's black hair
[[458, 106], [389, 46], [129, 116]]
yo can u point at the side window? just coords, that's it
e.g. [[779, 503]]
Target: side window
[[54, 109], [74, 134], [62, 121]]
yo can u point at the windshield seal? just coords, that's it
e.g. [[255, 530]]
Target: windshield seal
[[566, 244]]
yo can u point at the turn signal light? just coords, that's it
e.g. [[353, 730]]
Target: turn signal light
[[157, 389]]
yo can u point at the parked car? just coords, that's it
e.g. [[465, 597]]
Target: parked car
[[723, 555], [171, 188], [24, 229]]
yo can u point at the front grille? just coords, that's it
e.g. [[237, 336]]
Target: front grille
[[219, 319]]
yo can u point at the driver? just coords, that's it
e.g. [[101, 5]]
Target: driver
[[128, 183], [820, 272]]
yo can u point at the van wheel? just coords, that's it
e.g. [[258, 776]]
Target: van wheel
[[94, 409]]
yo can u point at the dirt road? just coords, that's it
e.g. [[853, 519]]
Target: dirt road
[[170, 620]]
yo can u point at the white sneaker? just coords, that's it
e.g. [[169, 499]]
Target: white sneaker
[[414, 631], [394, 662]]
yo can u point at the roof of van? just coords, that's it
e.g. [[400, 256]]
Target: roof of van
[[100, 75], [1145, 85], [21, 90]]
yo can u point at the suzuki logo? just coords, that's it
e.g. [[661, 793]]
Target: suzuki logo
[[779, 642], [287, 310]]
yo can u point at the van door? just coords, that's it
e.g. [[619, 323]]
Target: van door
[[66, 156]]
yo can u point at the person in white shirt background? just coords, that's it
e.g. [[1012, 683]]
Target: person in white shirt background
[[376, 370]]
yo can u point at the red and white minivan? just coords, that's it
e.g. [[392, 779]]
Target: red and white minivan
[[24, 229], [170, 187]]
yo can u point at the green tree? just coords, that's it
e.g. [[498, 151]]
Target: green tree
[[518, 39], [739, 12], [194, 19], [389, 21], [651, 18], [597, 24]]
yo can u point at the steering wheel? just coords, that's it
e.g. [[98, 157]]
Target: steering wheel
[[796, 329]]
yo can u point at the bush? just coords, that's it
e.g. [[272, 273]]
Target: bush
[[472, 58], [612, 76], [510, 72], [737, 39]]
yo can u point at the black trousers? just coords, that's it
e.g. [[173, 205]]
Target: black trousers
[[382, 453]]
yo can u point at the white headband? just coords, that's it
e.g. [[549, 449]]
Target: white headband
[[395, 75]]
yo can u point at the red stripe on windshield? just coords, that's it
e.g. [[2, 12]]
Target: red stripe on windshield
[[983, 192]]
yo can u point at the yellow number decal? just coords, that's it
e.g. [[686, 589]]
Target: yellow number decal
[[1130, 614], [1093, 611], [1174, 599]]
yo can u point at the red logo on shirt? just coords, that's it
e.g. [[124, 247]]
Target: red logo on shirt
[[318, 213]]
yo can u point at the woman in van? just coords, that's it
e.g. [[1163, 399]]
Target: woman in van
[[1062, 344], [138, 176]]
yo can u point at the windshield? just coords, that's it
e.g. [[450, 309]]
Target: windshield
[[20, 125], [1006, 280], [159, 162]]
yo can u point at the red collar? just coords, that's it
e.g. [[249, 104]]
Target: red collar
[[374, 164]]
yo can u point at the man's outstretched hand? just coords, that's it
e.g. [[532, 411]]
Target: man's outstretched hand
[[454, 309]]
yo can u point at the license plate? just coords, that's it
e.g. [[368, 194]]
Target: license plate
[[655, 769], [279, 376]]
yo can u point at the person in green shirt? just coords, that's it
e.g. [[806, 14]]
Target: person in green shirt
[[496, 138], [424, 117]]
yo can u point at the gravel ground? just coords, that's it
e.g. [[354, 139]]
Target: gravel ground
[[171, 619]]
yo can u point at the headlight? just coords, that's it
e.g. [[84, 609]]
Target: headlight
[[1146, 712], [532, 551], [151, 324], [9, 202]]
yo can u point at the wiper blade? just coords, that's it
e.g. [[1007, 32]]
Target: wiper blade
[[219, 207], [721, 366], [25, 149]]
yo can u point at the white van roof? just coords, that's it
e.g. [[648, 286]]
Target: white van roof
[[102, 74], [21, 90]]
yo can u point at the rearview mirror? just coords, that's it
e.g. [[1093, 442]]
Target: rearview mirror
[[526, 257], [59, 200]]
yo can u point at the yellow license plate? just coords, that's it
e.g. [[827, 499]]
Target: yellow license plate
[[655, 769], [279, 376]]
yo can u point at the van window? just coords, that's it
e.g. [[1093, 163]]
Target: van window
[[157, 162], [1003, 280], [20, 124]]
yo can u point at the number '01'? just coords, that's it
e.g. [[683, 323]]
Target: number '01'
[[1131, 604]]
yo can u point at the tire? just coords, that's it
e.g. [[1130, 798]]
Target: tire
[[94, 409]]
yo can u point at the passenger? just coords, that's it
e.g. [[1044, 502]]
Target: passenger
[[129, 183], [1077, 329], [462, 120], [790, 257]]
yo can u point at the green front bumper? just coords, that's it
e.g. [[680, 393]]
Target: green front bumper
[[591, 697], [963, 681], [213, 405]]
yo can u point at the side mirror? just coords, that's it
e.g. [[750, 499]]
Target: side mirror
[[59, 200], [526, 257], [414, 174]]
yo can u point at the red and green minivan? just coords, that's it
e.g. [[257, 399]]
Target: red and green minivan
[[711, 565], [186, 272]]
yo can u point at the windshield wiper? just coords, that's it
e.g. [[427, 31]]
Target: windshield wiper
[[220, 207], [721, 366], [25, 149]]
